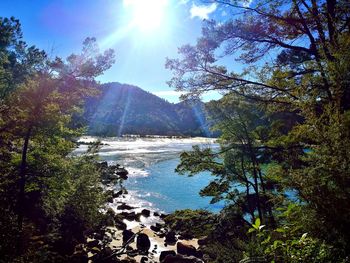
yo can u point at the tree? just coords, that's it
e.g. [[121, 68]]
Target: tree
[[296, 62], [41, 182]]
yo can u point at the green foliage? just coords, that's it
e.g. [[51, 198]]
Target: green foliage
[[50, 197], [195, 223], [285, 119]]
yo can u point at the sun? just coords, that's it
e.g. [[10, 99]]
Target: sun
[[147, 15]]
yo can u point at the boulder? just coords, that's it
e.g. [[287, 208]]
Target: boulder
[[163, 216], [181, 259], [127, 234], [165, 253], [202, 241], [156, 214], [129, 216], [143, 260], [124, 207], [186, 236], [93, 243], [102, 165], [138, 217], [117, 194], [185, 249], [146, 212], [155, 228], [143, 243], [170, 237], [123, 173], [119, 223]]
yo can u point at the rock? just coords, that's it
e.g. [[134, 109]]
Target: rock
[[124, 207], [202, 241], [143, 243], [102, 165], [93, 243], [165, 253], [181, 259], [123, 173], [109, 219], [146, 212], [170, 237], [186, 236], [129, 248], [143, 260], [117, 194], [155, 228], [163, 216], [95, 250], [127, 234], [110, 199], [131, 216], [100, 234], [185, 249], [119, 223], [138, 217], [156, 214], [199, 254]]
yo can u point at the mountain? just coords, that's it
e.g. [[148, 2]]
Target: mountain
[[125, 109]]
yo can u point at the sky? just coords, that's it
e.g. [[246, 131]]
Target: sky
[[142, 33]]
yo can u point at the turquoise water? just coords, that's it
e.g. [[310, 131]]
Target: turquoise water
[[169, 191], [152, 181]]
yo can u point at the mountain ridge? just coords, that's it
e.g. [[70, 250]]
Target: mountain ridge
[[122, 109]]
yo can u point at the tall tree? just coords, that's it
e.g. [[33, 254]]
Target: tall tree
[[38, 99], [296, 60]]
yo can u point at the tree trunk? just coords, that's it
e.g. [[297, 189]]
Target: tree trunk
[[21, 186]]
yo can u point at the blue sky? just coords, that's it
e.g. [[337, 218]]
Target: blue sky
[[141, 35]]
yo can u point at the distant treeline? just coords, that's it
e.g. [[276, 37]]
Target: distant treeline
[[122, 109]]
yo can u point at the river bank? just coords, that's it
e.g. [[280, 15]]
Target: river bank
[[135, 234]]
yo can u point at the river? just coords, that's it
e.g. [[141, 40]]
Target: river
[[151, 162]]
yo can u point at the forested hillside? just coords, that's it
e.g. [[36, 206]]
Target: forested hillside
[[124, 109]]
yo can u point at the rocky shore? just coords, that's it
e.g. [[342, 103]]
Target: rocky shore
[[135, 234]]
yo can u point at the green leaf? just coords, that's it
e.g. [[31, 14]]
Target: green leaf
[[251, 230], [257, 223]]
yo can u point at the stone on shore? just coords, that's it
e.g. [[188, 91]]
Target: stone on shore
[[127, 235], [146, 212], [187, 250], [165, 253], [170, 237], [143, 243]]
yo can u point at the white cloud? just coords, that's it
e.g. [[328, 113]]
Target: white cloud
[[202, 11]]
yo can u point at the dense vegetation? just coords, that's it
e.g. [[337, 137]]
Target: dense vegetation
[[48, 199], [283, 168], [124, 109]]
